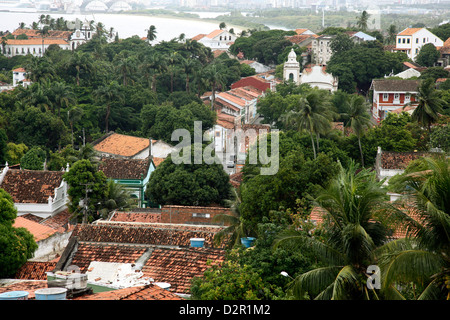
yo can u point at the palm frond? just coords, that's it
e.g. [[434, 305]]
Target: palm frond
[[314, 282]]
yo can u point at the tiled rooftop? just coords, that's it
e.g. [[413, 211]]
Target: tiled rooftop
[[136, 217], [34, 270], [398, 160], [39, 231], [395, 85], [409, 31], [31, 186], [146, 234], [59, 221], [125, 168], [123, 145], [147, 292], [179, 266], [88, 252]]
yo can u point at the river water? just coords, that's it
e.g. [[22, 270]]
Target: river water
[[126, 25]]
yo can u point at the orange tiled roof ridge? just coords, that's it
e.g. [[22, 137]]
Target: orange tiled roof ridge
[[120, 144]]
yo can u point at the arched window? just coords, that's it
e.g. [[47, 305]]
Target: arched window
[[291, 76]]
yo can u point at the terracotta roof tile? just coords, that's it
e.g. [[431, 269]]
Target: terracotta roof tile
[[157, 161], [123, 145], [147, 292], [19, 70], [409, 31], [214, 33], [399, 160], [88, 252], [144, 233], [136, 217], [30, 186], [395, 85], [39, 231], [34, 270], [179, 266], [198, 37], [125, 168], [35, 41], [59, 221]]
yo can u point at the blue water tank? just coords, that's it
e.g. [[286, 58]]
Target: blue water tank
[[51, 294], [197, 242], [248, 241], [14, 295]]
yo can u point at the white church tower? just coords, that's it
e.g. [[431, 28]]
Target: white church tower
[[291, 69]]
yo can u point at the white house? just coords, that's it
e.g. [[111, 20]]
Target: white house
[[33, 46], [20, 76], [39, 192], [216, 40], [411, 40], [317, 77], [392, 94]]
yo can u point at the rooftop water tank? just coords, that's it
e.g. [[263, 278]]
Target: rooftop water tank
[[197, 242], [51, 294], [248, 241], [14, 295]]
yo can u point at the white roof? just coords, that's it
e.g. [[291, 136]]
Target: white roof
[[408, 73], [364, 36], [317, 75]]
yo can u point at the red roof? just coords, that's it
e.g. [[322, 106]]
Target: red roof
[[39, 231], [147, 292]]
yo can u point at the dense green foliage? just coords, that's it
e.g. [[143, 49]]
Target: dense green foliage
[[17, 245], [190, 183]]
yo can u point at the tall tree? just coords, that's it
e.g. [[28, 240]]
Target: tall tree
[[151, 33], [62, 95], [213, 74], [349, 205], [429, 104], [362, 20], [359, 118], [313, 114], [108, 94], [422, 257]]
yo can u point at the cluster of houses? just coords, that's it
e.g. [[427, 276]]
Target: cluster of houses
[[153, 252], [34, 42]]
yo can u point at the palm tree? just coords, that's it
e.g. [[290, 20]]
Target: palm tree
[[423, 256], [171, 61], [189, 66], [392, 33], [126, 66], [86, 152], [82, 64], [213, 75], [117, 197], [108, 94], [74, 115], [62, 95], [429, 104], [158, 63], [359, 118], [362, 20], [352, 234], [235, 229], [151, 33], [313, 114]]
